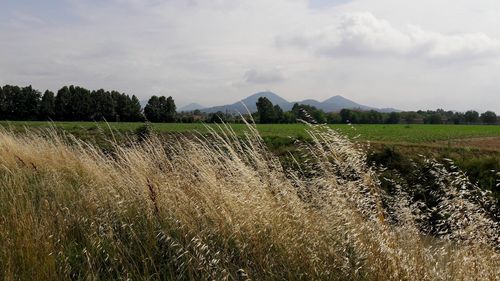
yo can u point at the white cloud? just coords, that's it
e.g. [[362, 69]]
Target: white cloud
[[362, 34], [195, 50], [267, 76]]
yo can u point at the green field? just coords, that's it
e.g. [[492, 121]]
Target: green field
[[378, 133]]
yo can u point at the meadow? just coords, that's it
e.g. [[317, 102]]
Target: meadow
[[222, 207], [412, 134]]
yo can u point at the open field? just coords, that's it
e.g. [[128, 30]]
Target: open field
[[413, 134]]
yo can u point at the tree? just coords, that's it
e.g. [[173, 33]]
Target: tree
[[71, 103], [160, 109], [308, 113], [217, 117], [3, 104], [134, 108], [26, 103], [433, 118], [9, 106], [318, 115], [62, 102], [152, 109], [334, 118], [393, 118], [80, 104], [457, 118], [103, 106], [265, 110], [471, 116], [278, 114], [163, 109], [409, 117], [121, 102], [370, 117], [346, 116], [489, 117], [171, 110], [47, 106]]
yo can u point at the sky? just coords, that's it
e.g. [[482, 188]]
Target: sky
[[404, 54]]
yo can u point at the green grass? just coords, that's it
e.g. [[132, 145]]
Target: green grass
[[379, 133]]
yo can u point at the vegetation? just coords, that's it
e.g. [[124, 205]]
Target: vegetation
[[79, 104], [70, 104], [267, 113], [220, 207], [410, 134], [160, 109]]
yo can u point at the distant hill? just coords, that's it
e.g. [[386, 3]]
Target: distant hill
[[333, 104], [337, 103], [389, 110], [191, 107], [249, 104]]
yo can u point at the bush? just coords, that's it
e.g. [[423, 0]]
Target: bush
[[143, 132]]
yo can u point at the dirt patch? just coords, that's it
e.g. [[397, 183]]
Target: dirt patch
[[491, 143]]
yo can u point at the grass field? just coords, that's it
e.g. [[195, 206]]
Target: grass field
[[379, 133], [226, 209]]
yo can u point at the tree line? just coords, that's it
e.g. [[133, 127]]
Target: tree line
[[73, 103], [269, 113]]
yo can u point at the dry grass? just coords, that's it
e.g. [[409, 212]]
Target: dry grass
[[222, 208]]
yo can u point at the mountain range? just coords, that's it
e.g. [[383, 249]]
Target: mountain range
[[333, 104]]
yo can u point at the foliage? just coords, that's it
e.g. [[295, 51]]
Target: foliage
[[144, 132], [471, 116], [489, 117], [71, 103], [47, 106], [160, 109], [75, 103], [265, 110]]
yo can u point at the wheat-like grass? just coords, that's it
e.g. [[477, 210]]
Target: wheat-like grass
[[220, 207]]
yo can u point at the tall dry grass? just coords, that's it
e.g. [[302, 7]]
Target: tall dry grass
[[222, 208]]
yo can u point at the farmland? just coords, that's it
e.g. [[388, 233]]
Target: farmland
[[395, 134]]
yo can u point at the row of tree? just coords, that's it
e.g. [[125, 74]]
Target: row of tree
[[69, 104], [275, 115], [269, 113], [418, 117], [75, 103]]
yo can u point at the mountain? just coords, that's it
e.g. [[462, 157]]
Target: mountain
[[333, 104], [337, 103], [389, 110], [249, 104], [311, 102], [191, 107]]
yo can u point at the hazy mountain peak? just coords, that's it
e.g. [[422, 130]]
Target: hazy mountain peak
[[191, 107], [274, 98], [337, 98], [333, 104]]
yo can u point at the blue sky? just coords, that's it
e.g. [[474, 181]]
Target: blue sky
[[387, 53], [51, 11]]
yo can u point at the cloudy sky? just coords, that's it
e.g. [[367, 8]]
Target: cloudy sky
[[406, 54]]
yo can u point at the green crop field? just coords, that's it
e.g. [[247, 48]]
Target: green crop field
[[378, 133]]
